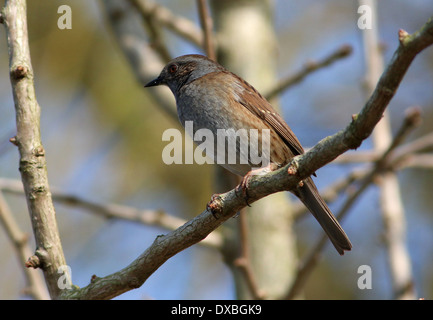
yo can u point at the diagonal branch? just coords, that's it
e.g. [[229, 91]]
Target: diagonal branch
[[309, 67], [35, 283], [224, 206], [157, 218], [153, 29], [395, 159], [181, 26], [382, 165], [132, 39]]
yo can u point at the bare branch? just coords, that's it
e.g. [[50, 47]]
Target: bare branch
[[411, 148], [244, 260], [423, 161], [224, 206], [308, 68], [154, 30], [399, 158], [333, 191], [35, 282], [207, 26], [157, 218], [32, 155], [179, 25], [145, 63], [418, 145], [381, 166], [390, 195]]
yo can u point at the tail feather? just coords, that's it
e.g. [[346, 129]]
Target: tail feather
[[311, 198]]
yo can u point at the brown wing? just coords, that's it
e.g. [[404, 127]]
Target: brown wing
[[251, 99]]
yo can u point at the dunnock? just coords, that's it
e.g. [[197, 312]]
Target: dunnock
[[214, 98]]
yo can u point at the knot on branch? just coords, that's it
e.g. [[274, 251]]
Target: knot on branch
[[214, 206], [134, 283], [19, 72], [38, 260], [292, 169], [33, 262], [39, 151], [14, 141]]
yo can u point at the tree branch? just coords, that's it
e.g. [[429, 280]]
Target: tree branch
[[390, 196], [381, 166], [224, 206], [153, 29], [206, 24], [411, 148], [177, 24], [35, 283], [32, 155], [307, 69], [132, 39], [243, 262], [156, 218], [397, 160]]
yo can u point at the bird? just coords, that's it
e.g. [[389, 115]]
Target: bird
[[214, 98]]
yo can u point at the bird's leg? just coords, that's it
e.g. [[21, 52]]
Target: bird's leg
[[243, 186]]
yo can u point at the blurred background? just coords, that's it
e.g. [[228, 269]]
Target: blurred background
[[102, 136]]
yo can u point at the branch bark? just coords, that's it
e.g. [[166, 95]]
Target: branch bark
[[35, 282], [133, 41], [390, 196], [156, 218], [181, 26], [308, 68], [381, 166], [247, 45], [207, 26], [32, 163], [224, 206]]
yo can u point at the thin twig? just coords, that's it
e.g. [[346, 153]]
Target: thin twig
[[35, 282], [154, 30], [207, 26], [331, 193], [401, 157], [382, 165], [177, 24], [145, 63], [308, 68], [420, 161], [418, 145], [157, 218], [244, 260]]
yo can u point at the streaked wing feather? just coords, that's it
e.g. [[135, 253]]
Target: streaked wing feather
[[252, 100]]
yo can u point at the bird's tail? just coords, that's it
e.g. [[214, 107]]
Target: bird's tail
[[311, 198]]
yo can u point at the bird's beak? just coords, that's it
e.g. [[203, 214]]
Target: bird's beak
[[155, 82]]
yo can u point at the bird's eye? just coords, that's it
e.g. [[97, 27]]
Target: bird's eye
[[172, 68]]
